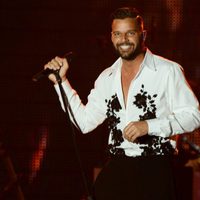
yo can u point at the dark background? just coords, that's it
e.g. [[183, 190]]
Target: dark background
[[35, 31]]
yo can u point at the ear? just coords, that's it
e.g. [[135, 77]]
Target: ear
[[111, 36], [144, 35]]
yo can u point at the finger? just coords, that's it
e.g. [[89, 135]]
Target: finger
[[134, 137], [46, 66], [129, 135], [59, 61], [130, 129], [49, 65], [129, 126], [55, 64]]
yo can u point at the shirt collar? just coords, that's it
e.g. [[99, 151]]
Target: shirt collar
[[149, 61]]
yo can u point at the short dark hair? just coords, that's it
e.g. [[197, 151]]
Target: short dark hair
[[127, 12]]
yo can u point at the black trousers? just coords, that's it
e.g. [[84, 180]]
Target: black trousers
[[140, 178]]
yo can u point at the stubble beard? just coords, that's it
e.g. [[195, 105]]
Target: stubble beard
[[129, 55]]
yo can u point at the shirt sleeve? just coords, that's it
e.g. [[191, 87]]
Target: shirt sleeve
[[184, 106], [88, 116]]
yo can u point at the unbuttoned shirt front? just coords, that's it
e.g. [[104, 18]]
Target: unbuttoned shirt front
[[158, 94]]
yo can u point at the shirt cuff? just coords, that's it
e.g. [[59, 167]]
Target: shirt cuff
[[154, 127]]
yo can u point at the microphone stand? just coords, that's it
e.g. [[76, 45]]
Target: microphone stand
[[67, 107]]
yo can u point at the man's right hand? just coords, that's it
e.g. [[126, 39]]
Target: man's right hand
[[60, 64]]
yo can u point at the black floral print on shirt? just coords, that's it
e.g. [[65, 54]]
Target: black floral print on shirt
[[146, 102], [114, 106], [153, 145]]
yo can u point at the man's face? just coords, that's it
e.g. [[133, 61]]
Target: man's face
[[127, 38]]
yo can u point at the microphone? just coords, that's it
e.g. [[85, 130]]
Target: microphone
[[193, 146], [48, 71]]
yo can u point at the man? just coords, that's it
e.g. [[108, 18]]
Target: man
[[145, 100]]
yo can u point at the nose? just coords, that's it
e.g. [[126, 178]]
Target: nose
[[124, 37]]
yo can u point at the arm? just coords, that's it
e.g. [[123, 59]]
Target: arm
[[185, 114], [87, 116]]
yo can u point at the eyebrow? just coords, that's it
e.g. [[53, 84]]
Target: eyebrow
[[126, 31]]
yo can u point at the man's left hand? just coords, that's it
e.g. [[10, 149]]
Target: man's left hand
[[134, 130]]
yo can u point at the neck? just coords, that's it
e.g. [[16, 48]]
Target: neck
[[133, 65]]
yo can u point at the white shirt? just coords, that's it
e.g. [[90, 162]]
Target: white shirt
[[158, 94]]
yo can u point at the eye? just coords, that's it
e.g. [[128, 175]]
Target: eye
[[131, 33], [116, 34]]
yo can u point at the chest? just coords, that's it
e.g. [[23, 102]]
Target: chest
[[140, 93], [126, 81]]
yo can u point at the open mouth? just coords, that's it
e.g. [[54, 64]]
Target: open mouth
[[125, 47]]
